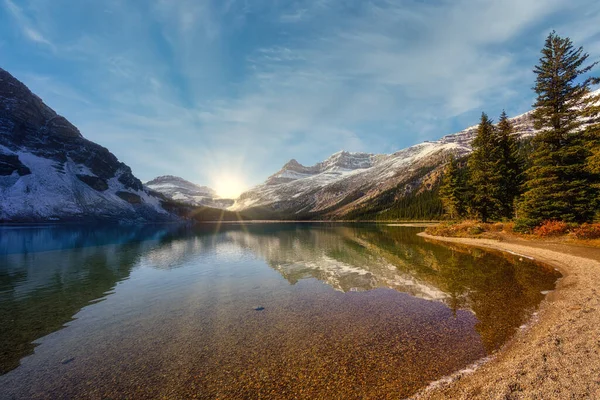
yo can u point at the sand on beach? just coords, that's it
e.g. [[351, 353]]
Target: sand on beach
[[558, 355]]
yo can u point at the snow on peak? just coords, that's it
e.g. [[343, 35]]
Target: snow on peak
[[347, 160], [184, 191], [165, 182]]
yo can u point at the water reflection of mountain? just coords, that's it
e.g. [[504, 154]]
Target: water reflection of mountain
[[500, 289], [47, 274], [336, 256]]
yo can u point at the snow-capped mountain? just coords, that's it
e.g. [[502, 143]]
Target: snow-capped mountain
[[348, 181], [180, 190], [50, 172], [344, 179]]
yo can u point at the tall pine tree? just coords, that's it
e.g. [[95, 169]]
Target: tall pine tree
[[509, 165], [592, 134], [452, 189], [557, 185], [484, 176]]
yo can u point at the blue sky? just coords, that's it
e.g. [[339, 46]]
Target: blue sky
[[215, 90]]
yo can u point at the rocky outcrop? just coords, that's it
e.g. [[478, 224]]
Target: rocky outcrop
[[129, 197], [94, 182], [10, 164]]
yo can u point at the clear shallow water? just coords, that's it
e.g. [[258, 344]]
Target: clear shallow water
[[271, 311]]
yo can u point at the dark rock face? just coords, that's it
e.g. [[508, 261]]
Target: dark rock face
[[10, 164], [94, 182], [131, 198], [62, 175]]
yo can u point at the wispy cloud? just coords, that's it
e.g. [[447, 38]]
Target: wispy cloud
[[193, 88], [26, 24]]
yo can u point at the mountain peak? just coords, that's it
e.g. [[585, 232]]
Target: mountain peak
[[30, 118], [292, 165], [166, 183], [348, 160], [184, 191]]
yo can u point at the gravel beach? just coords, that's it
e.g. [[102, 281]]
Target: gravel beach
[[558, 355]]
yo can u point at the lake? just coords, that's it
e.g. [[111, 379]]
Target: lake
[[250, 310]]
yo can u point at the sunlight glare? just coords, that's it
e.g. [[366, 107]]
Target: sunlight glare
[[229, 186]]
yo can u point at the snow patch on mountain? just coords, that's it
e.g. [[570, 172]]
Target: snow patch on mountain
[[52, 191]]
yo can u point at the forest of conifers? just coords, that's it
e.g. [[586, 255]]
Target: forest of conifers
[[553, 176]]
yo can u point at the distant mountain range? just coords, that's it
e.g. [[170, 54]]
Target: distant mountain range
[[50, 172], [346, 183], [178, 189]]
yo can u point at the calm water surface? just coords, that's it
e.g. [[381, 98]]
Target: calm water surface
[[255, 311]]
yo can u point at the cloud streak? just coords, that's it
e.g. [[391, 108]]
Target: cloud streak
[[26, 25], [198, 88]]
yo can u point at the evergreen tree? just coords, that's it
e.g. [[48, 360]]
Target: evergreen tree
[[509, 164], [557, 185], [484, 175], [452, 189], [592, 134]]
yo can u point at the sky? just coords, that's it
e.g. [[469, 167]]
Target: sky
[[224, 92]]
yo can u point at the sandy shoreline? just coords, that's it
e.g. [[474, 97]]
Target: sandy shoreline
[[558, 356]]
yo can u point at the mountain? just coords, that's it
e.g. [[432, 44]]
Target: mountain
[[345, 180], [178, 189], [50, 172], [360, 185]]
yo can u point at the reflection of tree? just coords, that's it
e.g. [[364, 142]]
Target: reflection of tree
[[498, 288], [456, 290]]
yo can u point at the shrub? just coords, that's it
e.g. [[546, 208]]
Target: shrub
[[551, 228], [458, 229], [495, 227], [587, 231], [525, 225], [475, 230], [508, 227]]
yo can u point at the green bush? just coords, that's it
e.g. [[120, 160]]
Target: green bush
[[525, 225]]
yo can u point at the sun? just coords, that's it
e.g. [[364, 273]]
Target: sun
[[229, 186]]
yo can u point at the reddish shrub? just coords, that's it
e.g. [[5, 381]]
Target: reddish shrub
[[587, 231], [551, 228]]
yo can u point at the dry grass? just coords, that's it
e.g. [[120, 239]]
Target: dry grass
[[550, 231], [469, 228]]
